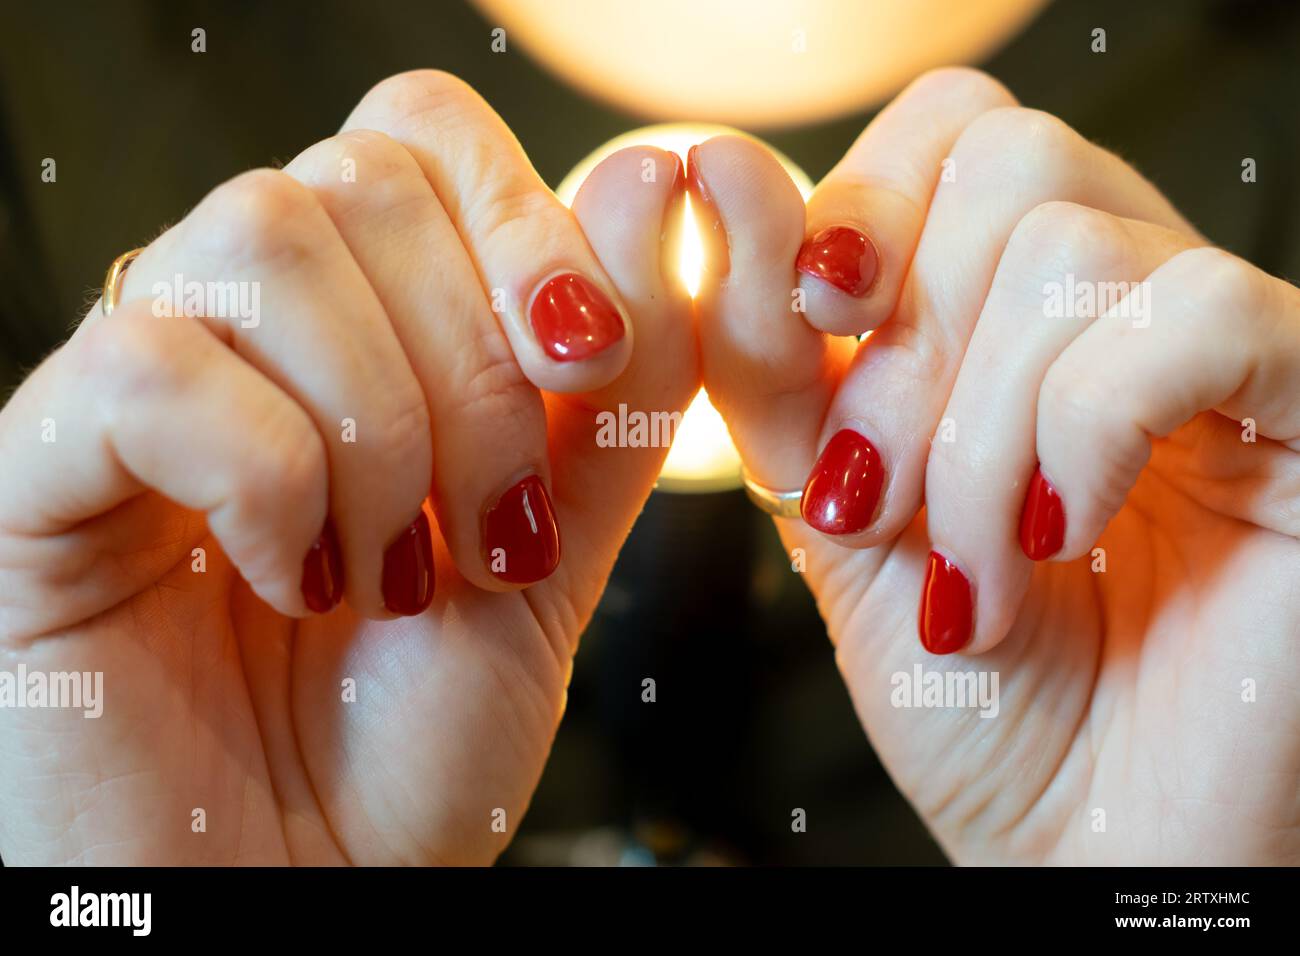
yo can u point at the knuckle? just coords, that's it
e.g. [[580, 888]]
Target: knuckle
[[1070, 399], [380, 161], [404, 439], [493, 190], [131, 356], [965, 472], [1072, 224], [1033, 143], [370, 143], [961, 84], [1057, 237], [1222, 285], [260, 215], [511, 209], [291, 467], [419, 94], [919, 352], [494, 387]]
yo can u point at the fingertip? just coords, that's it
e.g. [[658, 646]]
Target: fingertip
[[521, 535], [758, 210], [1042, 520], [574, 319], [839, 271], [577, 335], [631, 209], [323, 584], [946, 615], [519, 541], [843, 257], [408, 576], [843, 493], [627, 181]]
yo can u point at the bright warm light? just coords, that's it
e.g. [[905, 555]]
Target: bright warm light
[[703, 457], [690, 255], [754, 63]]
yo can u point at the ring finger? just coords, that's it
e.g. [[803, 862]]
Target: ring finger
[[1064, 266], [261, 265]]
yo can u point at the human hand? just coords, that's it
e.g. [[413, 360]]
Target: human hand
[[158, 533], [1153, 680]]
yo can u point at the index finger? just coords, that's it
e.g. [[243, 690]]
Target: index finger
[[865, 218], [563, 316]]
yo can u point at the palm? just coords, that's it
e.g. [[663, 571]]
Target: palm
[[218, 704], [1120, 692]]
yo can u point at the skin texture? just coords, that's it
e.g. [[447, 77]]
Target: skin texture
[[1122, 691], [353, 736]]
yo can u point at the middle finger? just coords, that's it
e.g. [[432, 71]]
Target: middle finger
[[493, 507], [891, 400]]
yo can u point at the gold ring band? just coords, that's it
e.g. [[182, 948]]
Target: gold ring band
[[782, 504], [113, 281]]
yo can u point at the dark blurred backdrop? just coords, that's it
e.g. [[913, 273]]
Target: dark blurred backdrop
[[751, 719]]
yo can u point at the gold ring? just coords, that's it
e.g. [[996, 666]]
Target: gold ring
[[113, 281], [782, 504]]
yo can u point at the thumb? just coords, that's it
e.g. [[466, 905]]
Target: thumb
[[631, 208]]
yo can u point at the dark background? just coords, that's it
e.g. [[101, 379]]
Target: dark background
[[751, 719]]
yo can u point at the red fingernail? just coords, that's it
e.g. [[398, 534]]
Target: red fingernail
[[520, 534], [1042, 522], [841, 256], [573, 319], [946, 608], [713, 234], [322, 572], [408, 569], [843, 489]]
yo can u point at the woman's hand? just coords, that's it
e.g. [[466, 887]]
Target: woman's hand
[[1102, 504], [420, 317]]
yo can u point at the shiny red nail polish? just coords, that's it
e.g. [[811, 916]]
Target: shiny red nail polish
[[520, 534], [1042, 522], [573, 319], [713, 233], [322, 572], [844, 257], [843, 489], [947, 611], [408, 569]]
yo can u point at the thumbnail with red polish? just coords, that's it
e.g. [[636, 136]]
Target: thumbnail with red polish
[[841, 256], [573, 319], [322, 572], [1042, 523], [947, 611], [408, 569], [843, 489], [520, 534], [713, 232]]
